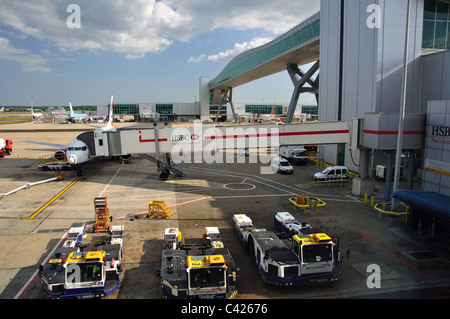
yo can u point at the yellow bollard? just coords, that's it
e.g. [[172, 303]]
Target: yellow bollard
[[365, 198], [372, 200]]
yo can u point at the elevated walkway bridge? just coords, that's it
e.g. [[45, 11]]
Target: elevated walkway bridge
[[298, 46]]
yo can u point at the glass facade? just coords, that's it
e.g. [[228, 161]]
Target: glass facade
[[164, 108], [436, 25], [126, 108], [310, 109], [213, 110], [247, 61], [263, 109]]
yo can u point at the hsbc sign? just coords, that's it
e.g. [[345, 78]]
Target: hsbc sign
[[184, 137], [440, 130]]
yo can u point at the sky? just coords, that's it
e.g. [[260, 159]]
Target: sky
[[140, 51]]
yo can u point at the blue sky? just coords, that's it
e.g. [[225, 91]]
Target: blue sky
[[139, 51]]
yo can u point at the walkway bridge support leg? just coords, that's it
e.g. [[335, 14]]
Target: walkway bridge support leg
[[304, 78], [227, 97]]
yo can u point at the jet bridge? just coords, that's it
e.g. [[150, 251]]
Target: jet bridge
[[199, 142], [201, 137]]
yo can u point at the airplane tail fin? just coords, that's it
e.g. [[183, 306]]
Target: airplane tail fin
[[110, 118], [70, 105], [273, 110]]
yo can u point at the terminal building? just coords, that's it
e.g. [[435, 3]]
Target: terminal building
[[358, 47], [191, 111], [362, 50]]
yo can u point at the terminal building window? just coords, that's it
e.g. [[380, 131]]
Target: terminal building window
[[436, 25], [164, 108], [263, 109], [126, 109], [309, 109], [213, 110]]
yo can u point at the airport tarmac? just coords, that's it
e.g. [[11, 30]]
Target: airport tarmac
[[209, 195]]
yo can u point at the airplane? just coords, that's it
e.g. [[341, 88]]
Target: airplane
[[77, 116], [78, 152], [36, 116], [2, 109]]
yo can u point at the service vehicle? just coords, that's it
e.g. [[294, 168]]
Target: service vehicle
[[5, 147], [332, 173], [294, 259], [80, 269], [197, 271], [295, 154], [286, 223], [281, 165]]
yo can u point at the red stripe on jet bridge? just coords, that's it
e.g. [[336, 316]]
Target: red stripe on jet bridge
[[315, 133], [152, 140], [394, 132], [277, 134]]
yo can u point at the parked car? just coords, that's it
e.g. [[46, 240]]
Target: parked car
[[332, 173], [281, 165]]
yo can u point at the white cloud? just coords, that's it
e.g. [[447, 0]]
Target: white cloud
[[197, 59], [140, 27], [29, 62], [228, 55]]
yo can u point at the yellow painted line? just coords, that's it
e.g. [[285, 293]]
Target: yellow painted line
[[34, 216]]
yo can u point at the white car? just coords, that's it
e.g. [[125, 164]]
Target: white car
[[243, 152], [332, 173], [281, 165]]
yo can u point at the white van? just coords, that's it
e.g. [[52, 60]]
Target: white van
[[281, 165], [332, 173]]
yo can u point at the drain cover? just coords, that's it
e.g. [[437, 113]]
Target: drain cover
[[423, 255]]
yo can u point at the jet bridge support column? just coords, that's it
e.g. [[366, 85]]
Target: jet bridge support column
[[388, 176], [304, 78], [227, 97], [363, 184]]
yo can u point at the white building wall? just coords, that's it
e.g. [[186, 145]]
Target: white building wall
[[372, 58], [436, 77], [437, 148], [390, 56], [372, 61], [204, 98], [329, 59], [359, 61]]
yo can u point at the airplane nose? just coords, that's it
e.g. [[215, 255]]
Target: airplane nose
[[72, 159]]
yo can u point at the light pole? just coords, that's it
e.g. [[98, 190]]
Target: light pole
[[402, 108]]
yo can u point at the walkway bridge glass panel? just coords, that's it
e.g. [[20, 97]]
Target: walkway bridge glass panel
[[298, 46]]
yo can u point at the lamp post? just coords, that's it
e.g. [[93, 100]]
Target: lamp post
[[402, 108]]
